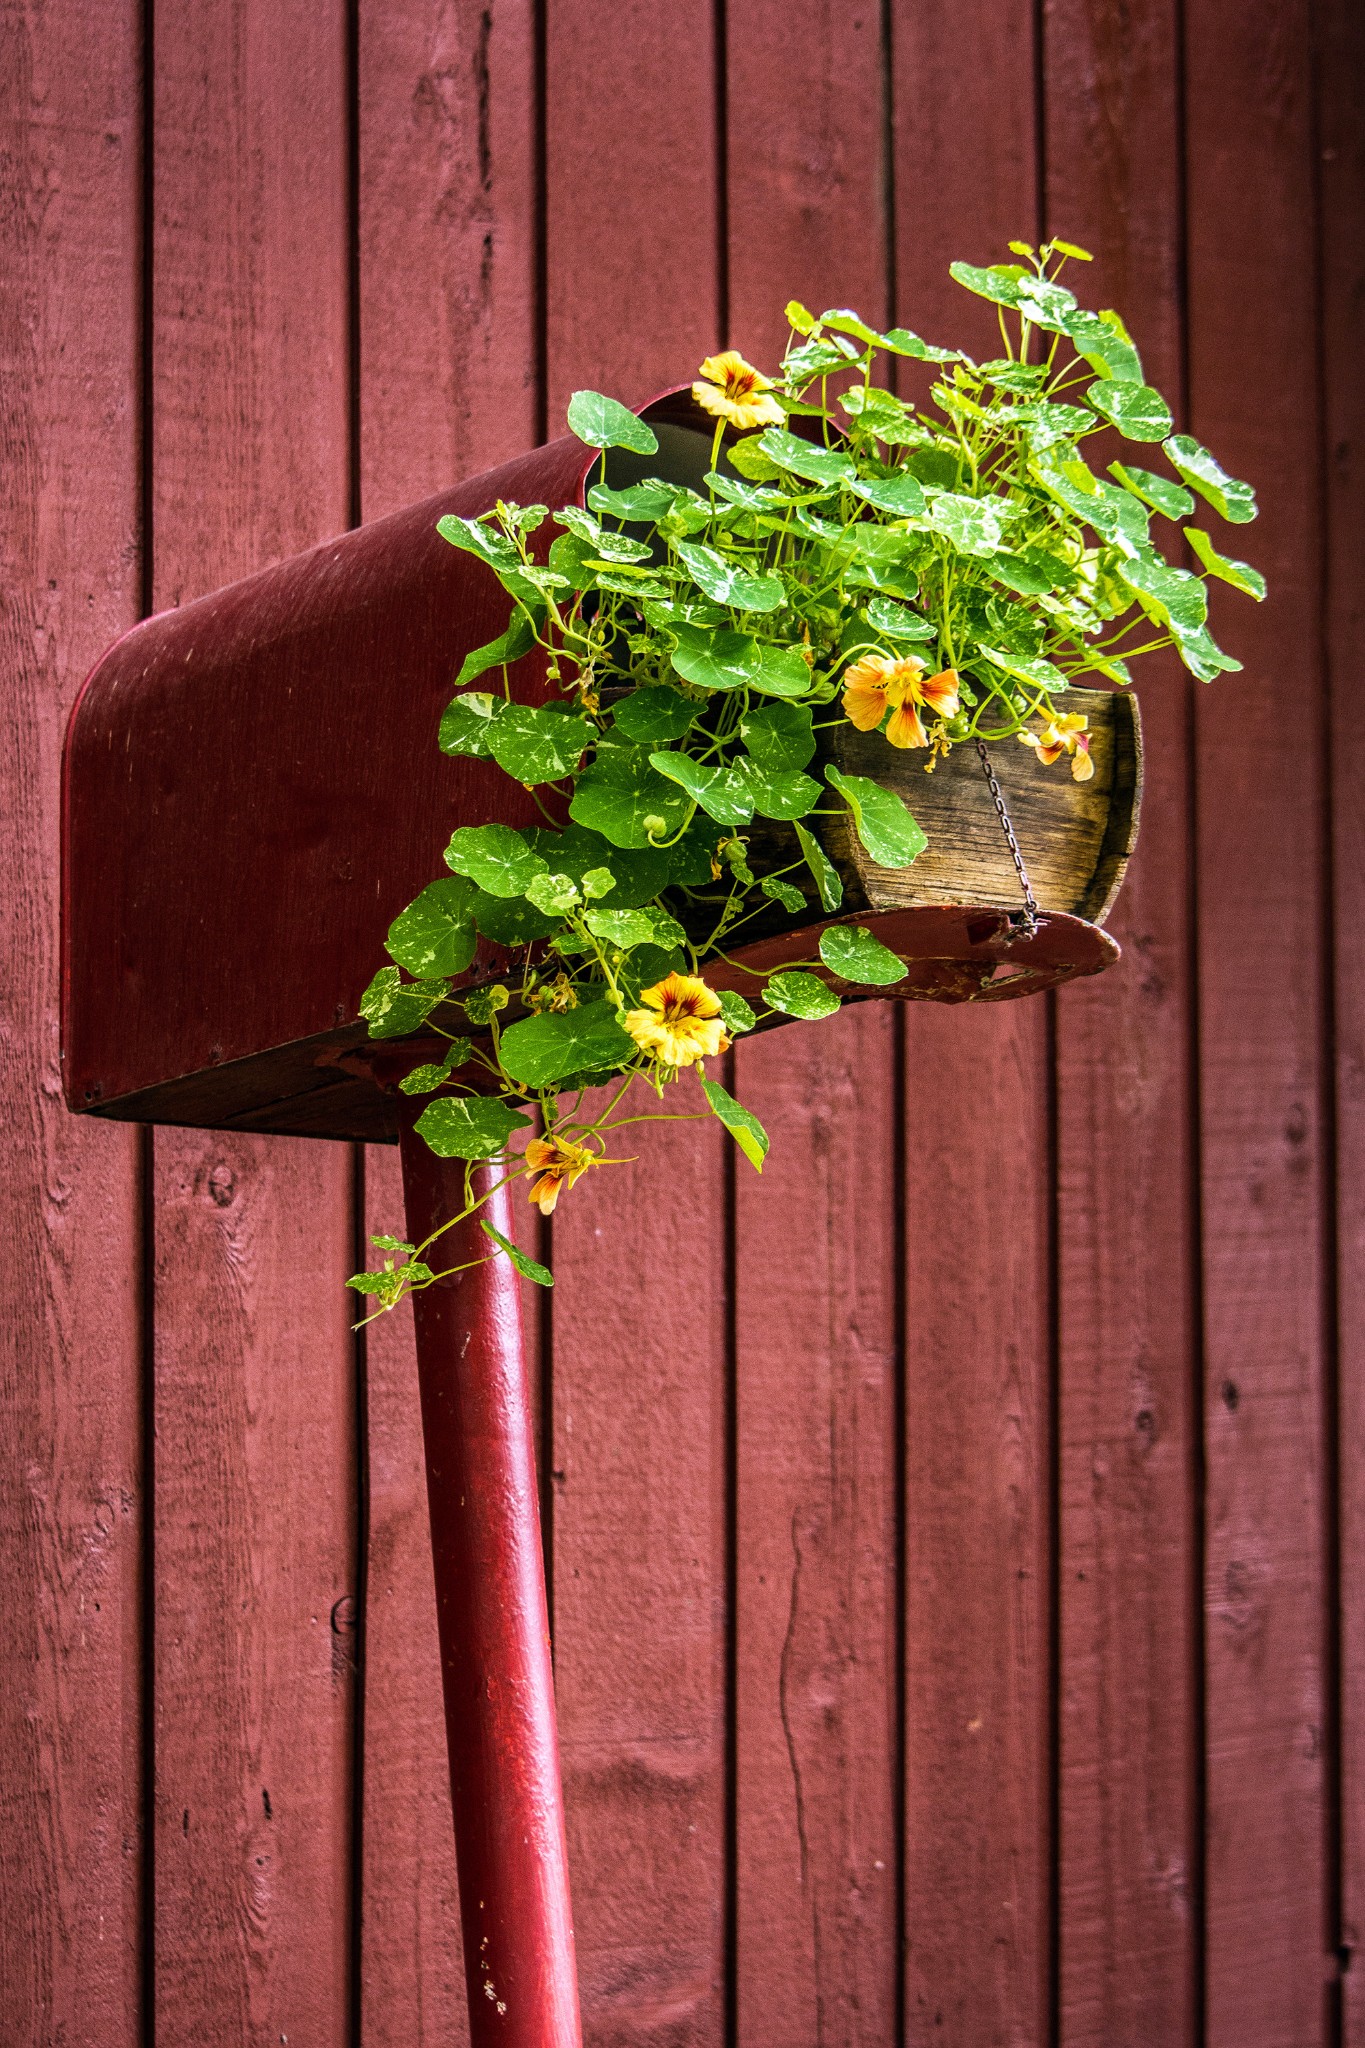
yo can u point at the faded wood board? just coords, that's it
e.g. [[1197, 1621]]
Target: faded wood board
[[639, 1310], [448, 355], [979, 1336], [255, 1496], [815, 1577], [1341, 137], [1130, 1836], [72, 1505], [1270, 1727]]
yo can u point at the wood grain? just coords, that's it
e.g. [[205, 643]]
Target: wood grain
[[1341, 139], [72, 1510], [254, 1394], [1250, 187], [448, 355], [1130, 1833], [979, 1335]]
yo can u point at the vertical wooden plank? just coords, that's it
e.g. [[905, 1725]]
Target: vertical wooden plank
[[816, 1629], [816, 1248], [1130, 1833], [1341, 136], [255, 1453], [640, 1313], [71, 1510], [977, 1221], [447, 112], [1253, 397]]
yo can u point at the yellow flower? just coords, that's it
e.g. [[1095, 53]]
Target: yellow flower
[[1064, 735], [731, 389], [559, 1164], [680, 1023], [897, 683]]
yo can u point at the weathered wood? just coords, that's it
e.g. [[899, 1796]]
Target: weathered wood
[[978, 1315], [255, 1580], [1129, 1826], [72, 1507], [639, 1313], [1268, 1609], [446, 286], [1340, 136]]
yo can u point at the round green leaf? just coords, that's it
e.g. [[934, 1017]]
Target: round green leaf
[[469, 1126], [714, 658], [1172, 500], [605, 423], [537, 745], [743, 1126], [495, 857], [1240, 575], [778, 792], [900, 495], [893, 619], [619, 792], [851, 952], [656, 713], [552, 893], [806, 458], [727, 583], [467, 723], [781, 672], [511, 920], [638, 502], [539, 1051], [1233, 500], [725, 794], [880, 819], [435, 934], [1103, 340], [648, 926], [393, 1009], [738, 1015], [778, 735], [801, 995], [1139, 412]]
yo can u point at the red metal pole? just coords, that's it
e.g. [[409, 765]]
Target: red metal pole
[[494, 1631]]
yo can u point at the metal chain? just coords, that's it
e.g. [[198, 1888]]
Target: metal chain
[[1025, 922]]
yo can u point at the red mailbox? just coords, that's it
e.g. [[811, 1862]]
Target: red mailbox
[[253, 790]]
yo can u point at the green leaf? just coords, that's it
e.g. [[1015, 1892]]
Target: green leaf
[[511, 920], [495, 857], [999, 283], [975, 526], [727, 583], [891, 618], [778, 735], [539, 1051], [1029, 668], [482, 1005], [781, 671], [620, 793], [748, 458], [901, 496], [598, 882], [1172, 500], [637, 502], [434, 936], [648, 926], [1070, 249], [777, 792], [518, 639], [1104, 342], [714, 658], [902, 342], [467, 724], [844, 321], [469, 1126], [572, 558], [785, 893], [605, 423], [1139, 412], [1031, 572], [1234, 501], [654, 713], [737, 1015], [529, 1269], [1201, 654], [880, 819], [826, 876], [743, 1126], [1240, 575], [537, 744], [602, 541], [393, 1009], [850, 951], [474, 538], [723, 793], [555, 894], [1173, 595], [637, 877], [797, 316], [1044, 303], [801, 995], [421, 1081], [799, 457]]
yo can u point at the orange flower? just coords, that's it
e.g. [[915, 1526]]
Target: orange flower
[[559, 1164], [1064, 735], [680, 1023], [897, 683], [731, 389]]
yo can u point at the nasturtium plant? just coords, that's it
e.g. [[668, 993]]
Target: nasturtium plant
[[889, 535]]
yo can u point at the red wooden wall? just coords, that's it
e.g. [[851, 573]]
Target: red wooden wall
[[957, 1538]]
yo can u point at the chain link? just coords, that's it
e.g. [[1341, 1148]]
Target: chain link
[[1025, 922]]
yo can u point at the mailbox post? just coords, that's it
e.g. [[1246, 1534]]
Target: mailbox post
[[252, 792]]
